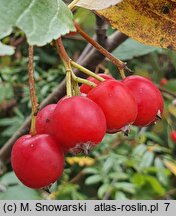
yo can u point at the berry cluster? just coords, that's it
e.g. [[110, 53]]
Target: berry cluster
[[79, 123]]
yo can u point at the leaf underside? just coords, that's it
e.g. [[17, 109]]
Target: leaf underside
[[41, 20], [6, 50], [97, 4]]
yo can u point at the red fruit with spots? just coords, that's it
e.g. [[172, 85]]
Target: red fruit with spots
[[43, 120], [85, 88], [78, 122], [148, 98], [37, 160], [117, 103], [173, 135]]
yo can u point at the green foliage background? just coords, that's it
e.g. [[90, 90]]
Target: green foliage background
[[133, 167]]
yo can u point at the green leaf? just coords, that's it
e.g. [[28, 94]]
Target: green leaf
[[90, 170], [93, 179], [108, 164], [118, 176], [161, 173], [131, 48], [157, 187], [138, 179], [14, 190], [147, 160], [6, 92], [9, 178], [171, 85], [19, 192], [153, 136], [139, 150], [6, 50], [120, 196], [125, 186], [41, 20], [102, 190]]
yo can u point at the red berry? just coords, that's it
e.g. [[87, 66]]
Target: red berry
[[43, 120], [85, 88], [78, 122], [37, 160], [148, 98], [163, 81], [116, 102], [173, 135]]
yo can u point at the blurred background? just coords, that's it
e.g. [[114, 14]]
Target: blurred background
[[140, 166]]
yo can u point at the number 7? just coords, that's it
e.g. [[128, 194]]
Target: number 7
[[167, 205]]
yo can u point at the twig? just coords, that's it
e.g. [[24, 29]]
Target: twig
[[101, 29], [32, 91], [66, 61], [120, 65], [167, 91]]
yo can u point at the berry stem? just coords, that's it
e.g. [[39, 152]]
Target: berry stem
[[86, 71], [83, 81], [120, 65], [66, 61], [69, 73], [33, 97], [73, 4], [75, 88]]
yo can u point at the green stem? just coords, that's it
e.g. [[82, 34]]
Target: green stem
[[32, 90], [86, 71], [83, 81], [68, 83], [75, 88]]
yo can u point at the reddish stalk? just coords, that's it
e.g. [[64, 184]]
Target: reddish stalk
[[33, 97], [120, 65]]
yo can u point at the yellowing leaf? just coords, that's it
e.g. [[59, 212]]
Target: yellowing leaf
[[97, 4], [152, 22], [81, 161], [171, 166]]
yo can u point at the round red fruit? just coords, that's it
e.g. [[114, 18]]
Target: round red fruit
[[173, 135], [78, 122], [148, 98], [37, 160], [43, 120], [117, 104], [163, 81], [85, 88]]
